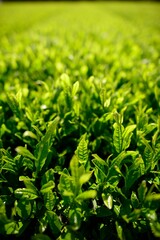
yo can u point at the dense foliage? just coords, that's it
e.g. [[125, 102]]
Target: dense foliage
[[79, 121]]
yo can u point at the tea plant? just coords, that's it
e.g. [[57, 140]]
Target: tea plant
[[80, 121]]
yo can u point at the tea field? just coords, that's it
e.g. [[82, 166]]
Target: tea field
[[80, 121]]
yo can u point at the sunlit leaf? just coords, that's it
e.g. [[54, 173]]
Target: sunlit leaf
[[155, 227], [75, 172], [100, 164], [119, 231], [47, 187], [108, 200], [82, 150], [117, 137], [27, 193], [29, 134], [75, 88], [153, 197], [127, 134], [25, 152], [49, 200], [85, 177], [142, 190], [87, 194], [11, 228]]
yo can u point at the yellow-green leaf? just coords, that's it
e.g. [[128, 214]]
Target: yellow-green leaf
[[108, 200], [86, 195]]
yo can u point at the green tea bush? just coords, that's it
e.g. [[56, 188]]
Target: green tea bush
[[79, 121]]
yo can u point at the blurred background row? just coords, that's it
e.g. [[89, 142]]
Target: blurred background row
[[75, 0]]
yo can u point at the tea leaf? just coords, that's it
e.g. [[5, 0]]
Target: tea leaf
[[27, 193], [75, 219], [75, 172], [86, 195], [142, 190], [119, 231], [30, 185], [29, 134], [127, 134], [9, 167], [49, 175], [49, 200], [47, 187], [25, 152], [85, 177], [117, 137], [134, 172], [100, 164], [153, 197], [65, 186], [148, 157], [75, 88], [14, 104], [24, 208], [54, 222], [43, 147], [134, 200], [108, 200], [10, 228], [82, 150], [155, 227]]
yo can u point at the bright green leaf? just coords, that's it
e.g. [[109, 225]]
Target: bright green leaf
[[49, 200], [127, 134], [47, 187], [119, 231], [25, 152], [75, 88], [82, 150], [153, 197], [87, 194], [27, 193], [142, 190], [108, 200], [100, 164], [85, 177], [29, 134], [117, 137]]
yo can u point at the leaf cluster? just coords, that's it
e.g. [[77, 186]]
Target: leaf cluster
[[79, 121]]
